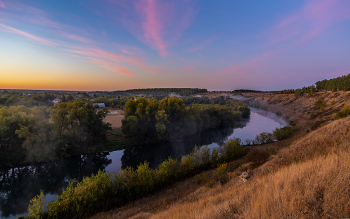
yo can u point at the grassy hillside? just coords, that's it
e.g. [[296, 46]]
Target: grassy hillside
[[307, 178]]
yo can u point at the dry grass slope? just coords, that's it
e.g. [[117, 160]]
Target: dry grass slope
[[313, 183]]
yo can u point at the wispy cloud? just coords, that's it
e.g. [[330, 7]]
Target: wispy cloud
[[2, 5], [314, 19], [130, 50], [159, 24], [75, 37], [28, 35], [67, 38]]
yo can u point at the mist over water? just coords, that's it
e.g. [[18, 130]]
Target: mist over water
[[19, 185]]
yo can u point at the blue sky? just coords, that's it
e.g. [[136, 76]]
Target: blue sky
[[218, 45]]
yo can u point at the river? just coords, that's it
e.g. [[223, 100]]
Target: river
[[19, 185]]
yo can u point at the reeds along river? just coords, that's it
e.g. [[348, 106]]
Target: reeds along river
[[19, 185]]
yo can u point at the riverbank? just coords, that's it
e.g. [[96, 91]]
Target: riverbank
[[188, 199]]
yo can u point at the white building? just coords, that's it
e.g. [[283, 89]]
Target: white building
[[56, 100]]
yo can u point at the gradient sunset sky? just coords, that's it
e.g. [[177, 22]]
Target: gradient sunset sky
[[213, 44]]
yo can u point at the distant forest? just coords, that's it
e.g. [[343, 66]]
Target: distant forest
[[335, 84], [341, 83], [159, 91]]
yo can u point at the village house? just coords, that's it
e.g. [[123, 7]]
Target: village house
[[56, 100], [101, 105]]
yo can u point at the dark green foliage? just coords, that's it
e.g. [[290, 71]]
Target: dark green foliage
[[26, 135], [177, 91], [104, 191], [298, 92], [320, 103], [148, 121], [257, 156], [283, 133], [278, 134], [342, 113], [335, 84], [263, 138]]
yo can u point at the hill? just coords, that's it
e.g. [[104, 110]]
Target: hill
[[307, 178]]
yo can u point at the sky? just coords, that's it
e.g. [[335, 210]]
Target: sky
[[222, 45]]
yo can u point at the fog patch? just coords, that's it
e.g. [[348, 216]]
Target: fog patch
[[174, 95], [270, 115]]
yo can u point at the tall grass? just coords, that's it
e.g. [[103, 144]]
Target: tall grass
[[309, 179], [105, 190]]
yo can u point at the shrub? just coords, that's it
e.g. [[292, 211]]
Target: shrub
[[332, 103], [231, 150], [220, 174], [264, 138], [257, 156], [343, 112], [167, 170], [105, 190], [282, 133], [272, 151], [36, 206], [320, 103], [278, 113], [202, 178]]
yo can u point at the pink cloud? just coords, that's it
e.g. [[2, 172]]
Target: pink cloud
[[28, 35], [75, 37], [2, 5], [314, 19], [149, 70], [159, 24], [124, 70], [130, 50]]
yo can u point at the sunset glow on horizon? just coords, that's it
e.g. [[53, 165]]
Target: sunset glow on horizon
[[219, 45]]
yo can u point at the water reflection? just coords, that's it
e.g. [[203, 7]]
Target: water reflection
[[157, 153], [20, 184]]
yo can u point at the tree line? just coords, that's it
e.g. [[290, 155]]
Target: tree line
[[159, 91], [33, 135], [341, 83], [149, 121]]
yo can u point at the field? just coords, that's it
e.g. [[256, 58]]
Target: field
[[115, 117]]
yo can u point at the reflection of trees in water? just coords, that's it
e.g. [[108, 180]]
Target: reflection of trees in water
[[157, 153], [19, 185]]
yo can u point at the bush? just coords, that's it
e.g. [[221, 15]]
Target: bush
[[105, 190], [278, 113], [36, 206], [320, 103], [263, 138], [257, 156], [272, 151], [342, 113], [332, 103], [220, 174], [283, 133]]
